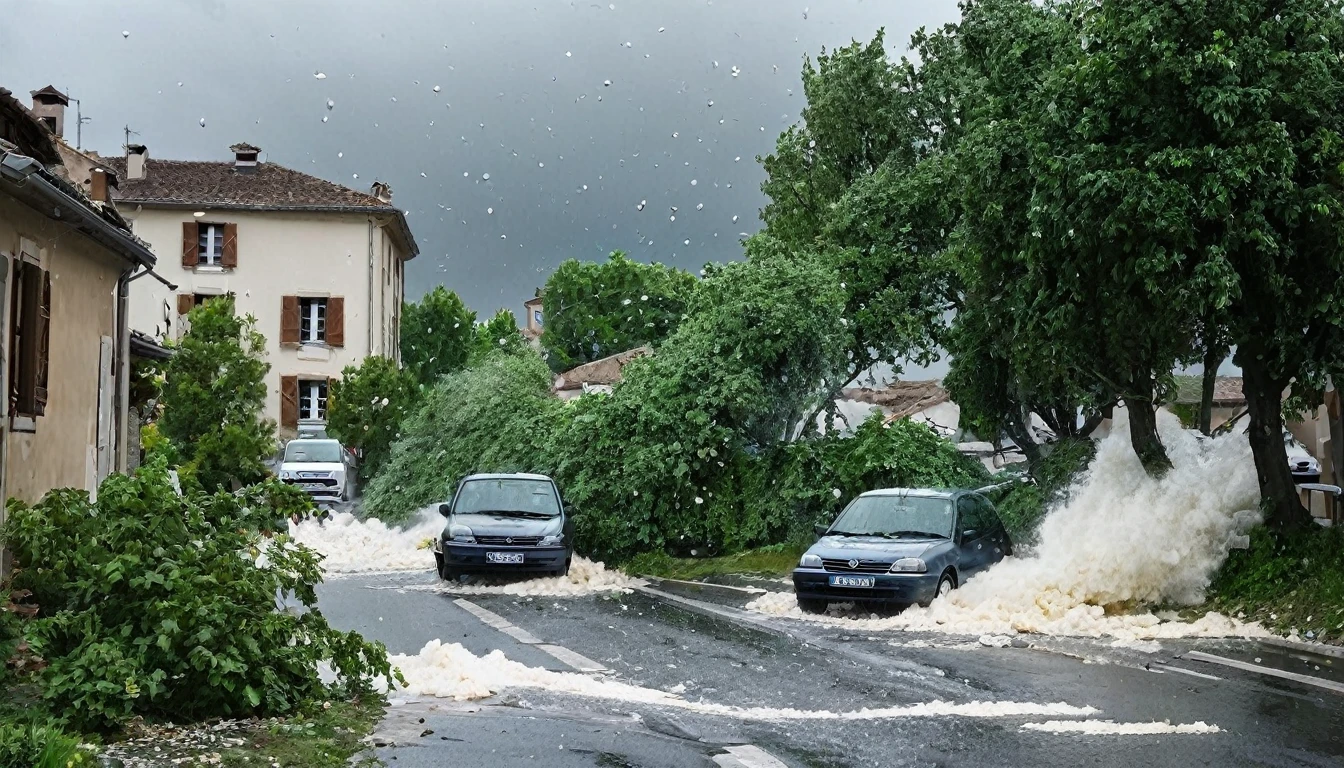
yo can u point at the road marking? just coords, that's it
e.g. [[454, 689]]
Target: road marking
[[748, 756], [560, 653], [1329, 685], [748, 590], [1190, 672]]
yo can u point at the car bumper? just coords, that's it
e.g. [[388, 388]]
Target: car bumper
[[471, 558], [814, 584]]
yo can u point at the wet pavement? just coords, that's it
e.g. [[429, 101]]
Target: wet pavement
[[697, 641]]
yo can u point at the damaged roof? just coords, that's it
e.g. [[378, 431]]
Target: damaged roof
[[901, 398], [1226, 391], [606, 371]]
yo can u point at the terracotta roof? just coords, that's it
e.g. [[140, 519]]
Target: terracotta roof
[[1226, 391], [605, 371], [902, 398], [218, 185], [51, 91], [29, 133]]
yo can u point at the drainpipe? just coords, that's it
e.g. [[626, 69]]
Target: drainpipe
[[373, 283], [123, 406]]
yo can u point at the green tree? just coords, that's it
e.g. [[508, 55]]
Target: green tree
[[498, 335], [367, 407], [214, 393], [593, 310], [437, 333]]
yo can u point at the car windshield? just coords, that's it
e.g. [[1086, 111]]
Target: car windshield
[[321, 451], [533, 497], [896, 515]]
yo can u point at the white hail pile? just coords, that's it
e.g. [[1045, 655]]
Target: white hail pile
[[585, 577], [1121, 542], [351, 545]]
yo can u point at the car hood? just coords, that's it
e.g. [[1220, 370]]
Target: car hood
[[312, 466], [495, 525], [872, 547]]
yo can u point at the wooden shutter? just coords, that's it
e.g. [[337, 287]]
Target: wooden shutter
[[289, 402], [336, 321], [229, 257], [289, 319], [191, 243], [43, 347], [185, 303]]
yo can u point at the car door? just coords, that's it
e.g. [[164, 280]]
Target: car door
[[1002, 544], [973, 538]]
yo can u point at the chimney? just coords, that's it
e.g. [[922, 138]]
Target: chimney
[[98, 186], [383, 191], [244, 157], [137, 162], [49, 106]]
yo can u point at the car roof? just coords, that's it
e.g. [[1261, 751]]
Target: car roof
[[507, 476], [928, 493]]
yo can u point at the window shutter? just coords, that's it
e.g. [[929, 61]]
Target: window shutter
[[185, 302], [191, 244], [229, 257], [43, 347], [289, 319], [336, 321], [289, 402]]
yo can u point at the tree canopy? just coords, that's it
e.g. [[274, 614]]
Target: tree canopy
[[437, 334], [367, 406]]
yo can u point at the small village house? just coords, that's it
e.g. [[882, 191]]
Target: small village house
[[321, 266], [597, 376], [67, 258], [532, 318]]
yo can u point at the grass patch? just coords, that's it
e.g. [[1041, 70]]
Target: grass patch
[[1287, 582], [325, 739], [774, 560]]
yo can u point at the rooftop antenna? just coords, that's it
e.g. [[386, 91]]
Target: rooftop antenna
[[126, 129], [80, 120]]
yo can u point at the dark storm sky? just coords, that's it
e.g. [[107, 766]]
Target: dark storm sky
[[521, 97]]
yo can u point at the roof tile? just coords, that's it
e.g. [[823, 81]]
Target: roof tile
[[191, 182]]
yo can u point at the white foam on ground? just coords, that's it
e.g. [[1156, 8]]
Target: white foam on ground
[[1122, 541], [451, 671], [1108, 728], [351, 545], [585, 577]]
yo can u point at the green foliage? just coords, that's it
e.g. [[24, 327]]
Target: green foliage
[[1022, 506], [1288, 581], [594, 310], [498, 335], [213, 398], [161, 605], [437, 334], [496, 417], [39, 745], [772, 560], [366, 408]]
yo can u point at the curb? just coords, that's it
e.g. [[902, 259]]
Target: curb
[[1320, 649]]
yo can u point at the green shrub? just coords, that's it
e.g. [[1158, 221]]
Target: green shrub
[[156, 604], [34, 745], [437, 335], [1287, 580], [1022, 506], [367, 407], [496, 417]]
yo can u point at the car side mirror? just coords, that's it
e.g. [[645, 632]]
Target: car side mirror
[[568, 508], [820, 529], [969, 533], [445, 510]]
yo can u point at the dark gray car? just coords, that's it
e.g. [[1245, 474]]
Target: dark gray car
[[505, 524], [901, 546]]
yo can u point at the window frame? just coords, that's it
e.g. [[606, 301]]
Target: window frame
[[29, 341], [313, 398], [313, 314], [213, 253]]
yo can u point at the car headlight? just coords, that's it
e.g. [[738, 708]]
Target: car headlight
[[284, 474], [909, 565], [552, 540], [462, 534], [810, 561]]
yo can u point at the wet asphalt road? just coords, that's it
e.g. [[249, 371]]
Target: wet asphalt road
[[719, 654]]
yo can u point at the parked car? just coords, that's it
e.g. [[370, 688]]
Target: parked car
[[1304, 466], [511, 524], [900, 546], [320, 467]]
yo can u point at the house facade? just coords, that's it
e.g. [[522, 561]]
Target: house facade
[[66, 258], [320, 266]]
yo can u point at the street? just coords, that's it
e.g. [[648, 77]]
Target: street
[[757, 690]]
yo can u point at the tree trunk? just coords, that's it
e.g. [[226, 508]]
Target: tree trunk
[[1143, 428], [1278, 492], [1213, 358], [1022, 436]]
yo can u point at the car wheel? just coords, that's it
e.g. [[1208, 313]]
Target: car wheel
[[563, 571], [945, 585], [809, 605]]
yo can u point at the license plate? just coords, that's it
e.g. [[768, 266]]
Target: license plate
[[314, 486], [853, 581], [511, 558]]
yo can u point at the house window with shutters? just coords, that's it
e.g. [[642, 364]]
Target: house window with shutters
[[209, 246], [312, 399], [29, 342], [312, 321]]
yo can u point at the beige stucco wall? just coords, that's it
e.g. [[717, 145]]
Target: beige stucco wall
[[279, 254], [83, 286]]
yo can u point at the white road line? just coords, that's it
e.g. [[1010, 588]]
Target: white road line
[[748, 590], [578, 661], [1329, 685], [489, 617], [1190, 672], [748, 756]]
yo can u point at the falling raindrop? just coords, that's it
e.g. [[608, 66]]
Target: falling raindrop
[[125, 33], [700, 207], [490, 211], [320, 75], [628, 45], [672, 218], [737, 159], [711, 102], [541, 165], [331, 104], [660, 29], [423, 176], [202, 122], [324, 118], [606, 83], [687, 242], [569, 54], [436, 89], [485, 177], [694, 182], [340, 154], [734, 219]]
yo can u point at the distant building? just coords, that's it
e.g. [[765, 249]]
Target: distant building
[[597, 376], [320, 266], [532, 323]]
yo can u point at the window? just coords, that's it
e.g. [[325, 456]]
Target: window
[[313, 399], [536, 317], [210, 245], [50, 122], [30, 338], [312, 320]]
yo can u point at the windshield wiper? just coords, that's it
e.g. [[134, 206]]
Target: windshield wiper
[[513, 513], [897, 534], [846, 533]]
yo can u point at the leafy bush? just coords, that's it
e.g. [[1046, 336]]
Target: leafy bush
[[498, 335], [213, 397], [161, 605], [1287, 580], [496, 417], [1022, 506], [35, 745], [437, 335], [367, 407]]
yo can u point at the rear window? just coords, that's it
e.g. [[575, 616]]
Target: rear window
[[323, 451], [507, 495]]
